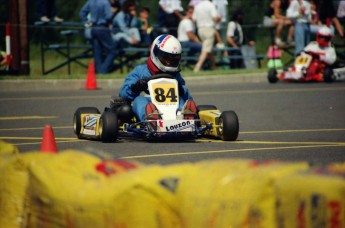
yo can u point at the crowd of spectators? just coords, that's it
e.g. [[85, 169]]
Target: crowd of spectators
[[205, 24]]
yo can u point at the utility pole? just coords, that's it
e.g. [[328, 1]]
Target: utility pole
[[19, 37]]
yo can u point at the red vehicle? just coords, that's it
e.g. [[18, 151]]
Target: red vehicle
[[306, 68], [313, 63]]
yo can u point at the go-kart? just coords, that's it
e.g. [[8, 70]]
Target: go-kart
[[302, 71], [119, 121]]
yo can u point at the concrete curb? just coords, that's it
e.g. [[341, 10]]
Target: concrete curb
[[77, 84]]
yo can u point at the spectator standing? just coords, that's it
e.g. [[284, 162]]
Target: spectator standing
[[236, 39], [299, 12], [205, 15], [125, 24], [326, 15], [274, 18], [102, 42], [341, 13], [221, 26], [170, 14], [194, 2], [47, 11], [187, 34], [221, 6]]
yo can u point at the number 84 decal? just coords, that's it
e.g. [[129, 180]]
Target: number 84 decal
[[165, 93]]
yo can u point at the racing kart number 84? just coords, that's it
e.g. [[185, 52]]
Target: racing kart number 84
[[119, 121]]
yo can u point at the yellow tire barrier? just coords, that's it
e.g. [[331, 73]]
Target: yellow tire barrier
[[77, 189]]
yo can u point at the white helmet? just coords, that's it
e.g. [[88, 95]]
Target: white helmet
[[166, 53], [324, 36]]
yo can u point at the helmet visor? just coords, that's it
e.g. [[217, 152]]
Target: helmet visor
[[167, 59], [325, 38]]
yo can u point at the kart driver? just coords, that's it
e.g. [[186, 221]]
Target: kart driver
[[322, 51], [165, 57]]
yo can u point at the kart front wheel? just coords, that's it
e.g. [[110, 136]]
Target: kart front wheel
[[108, 127], [77, 121], [328, 75], [272, 76], [228, 126]]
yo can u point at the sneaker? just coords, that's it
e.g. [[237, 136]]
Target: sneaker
[[279, 42], [58, 19], [45, 19], [291, 43], [152, 114], [220, 45], [189, 110]]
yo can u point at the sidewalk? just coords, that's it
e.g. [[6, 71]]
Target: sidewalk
[[76, 84]]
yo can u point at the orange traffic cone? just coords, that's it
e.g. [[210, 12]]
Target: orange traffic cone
[[91, 82], [48, 141]]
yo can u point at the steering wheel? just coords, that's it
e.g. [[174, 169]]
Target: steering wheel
[[162, 75]]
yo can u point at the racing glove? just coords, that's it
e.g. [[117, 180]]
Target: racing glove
[[315, 56], [139, 86]]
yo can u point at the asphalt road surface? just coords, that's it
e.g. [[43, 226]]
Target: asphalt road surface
[[283, 121]]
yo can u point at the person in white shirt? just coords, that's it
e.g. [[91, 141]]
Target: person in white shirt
[[322, 52], [341, 13], [186, 33], [206, 15], [194, 2], [170, 14], [236, 39], [299, 12], [222, 7]]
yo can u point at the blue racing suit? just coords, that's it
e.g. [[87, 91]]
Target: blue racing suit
[[140, 102]]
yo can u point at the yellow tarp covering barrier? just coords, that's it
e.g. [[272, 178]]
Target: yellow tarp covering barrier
[[14, 180], [7, 148], [311, 200], [78, 189], [232, 193]]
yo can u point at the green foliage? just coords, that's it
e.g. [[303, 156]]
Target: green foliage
[[69, 10]]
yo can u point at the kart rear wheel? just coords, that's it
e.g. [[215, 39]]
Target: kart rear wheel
[[272, 76], [328, 75], [205, 107], [108, 127], [228, 126], [77, 118]]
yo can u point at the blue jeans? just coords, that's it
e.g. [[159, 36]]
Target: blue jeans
[[46, 8], [302, 36], [139, 106], [104, 49], [194, 48]]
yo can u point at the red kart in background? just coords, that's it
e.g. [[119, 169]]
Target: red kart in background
[[307, 68]]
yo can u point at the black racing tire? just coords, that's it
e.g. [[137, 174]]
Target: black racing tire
[[77, 118], [229, 126], [205, 107], [272, 76], [328, 75], [108, 127]]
